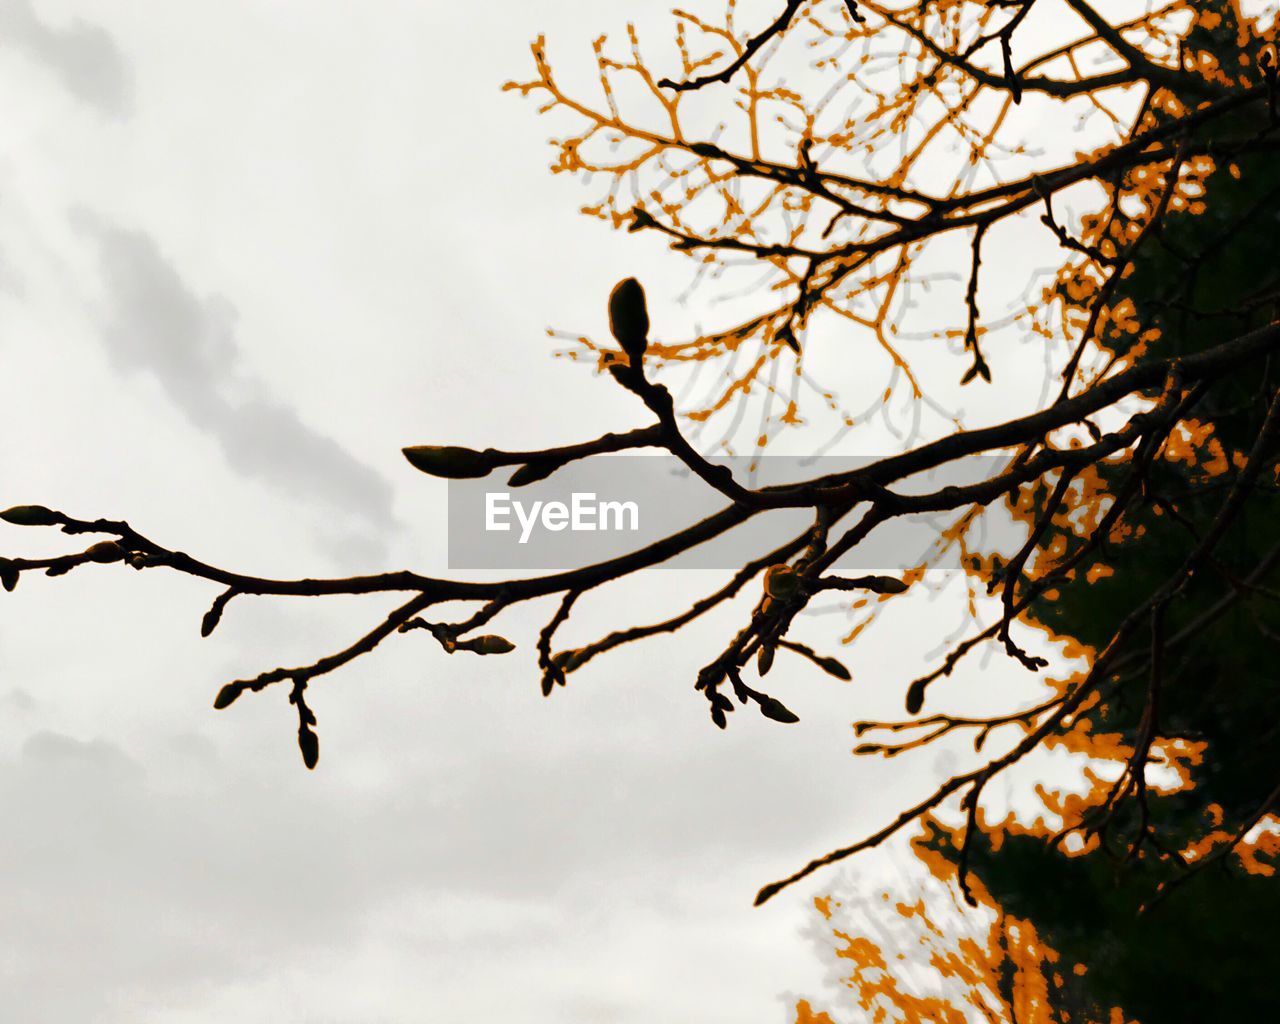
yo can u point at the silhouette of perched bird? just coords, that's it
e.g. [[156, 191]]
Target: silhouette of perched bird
[[629, 318]]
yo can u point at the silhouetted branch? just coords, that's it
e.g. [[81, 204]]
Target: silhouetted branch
[[840, 244]]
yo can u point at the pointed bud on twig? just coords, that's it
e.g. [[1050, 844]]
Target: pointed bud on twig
[[31, 515], [764, 660], [491, 643], [720, 701], [449, 461], [773, 708], [569, 661], [829, 665], [309, 744], [629, 318], [915, 696], [833, 667], [214, 615], [532, 472], [227, 695], [105, 551]]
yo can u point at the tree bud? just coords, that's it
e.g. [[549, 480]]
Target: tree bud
[[490, 643], [773, 708], [834, 667], [531, 472], [309, 744], [629, 318], [569, 661], [105, 551], [8, 574], [448, 461], [31, 515], [886, 585], [781, 582], [227, 695]]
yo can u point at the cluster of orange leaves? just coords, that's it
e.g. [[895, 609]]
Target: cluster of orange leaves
[[999, 973]]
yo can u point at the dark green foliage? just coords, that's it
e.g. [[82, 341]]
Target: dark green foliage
[[1206, 951], [1205, 955]]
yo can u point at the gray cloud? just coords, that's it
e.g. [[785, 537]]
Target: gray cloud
[[158, 325], [85, 58], [18, 701], [153, 889]]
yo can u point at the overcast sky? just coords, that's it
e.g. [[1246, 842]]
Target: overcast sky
[[247, 251]]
